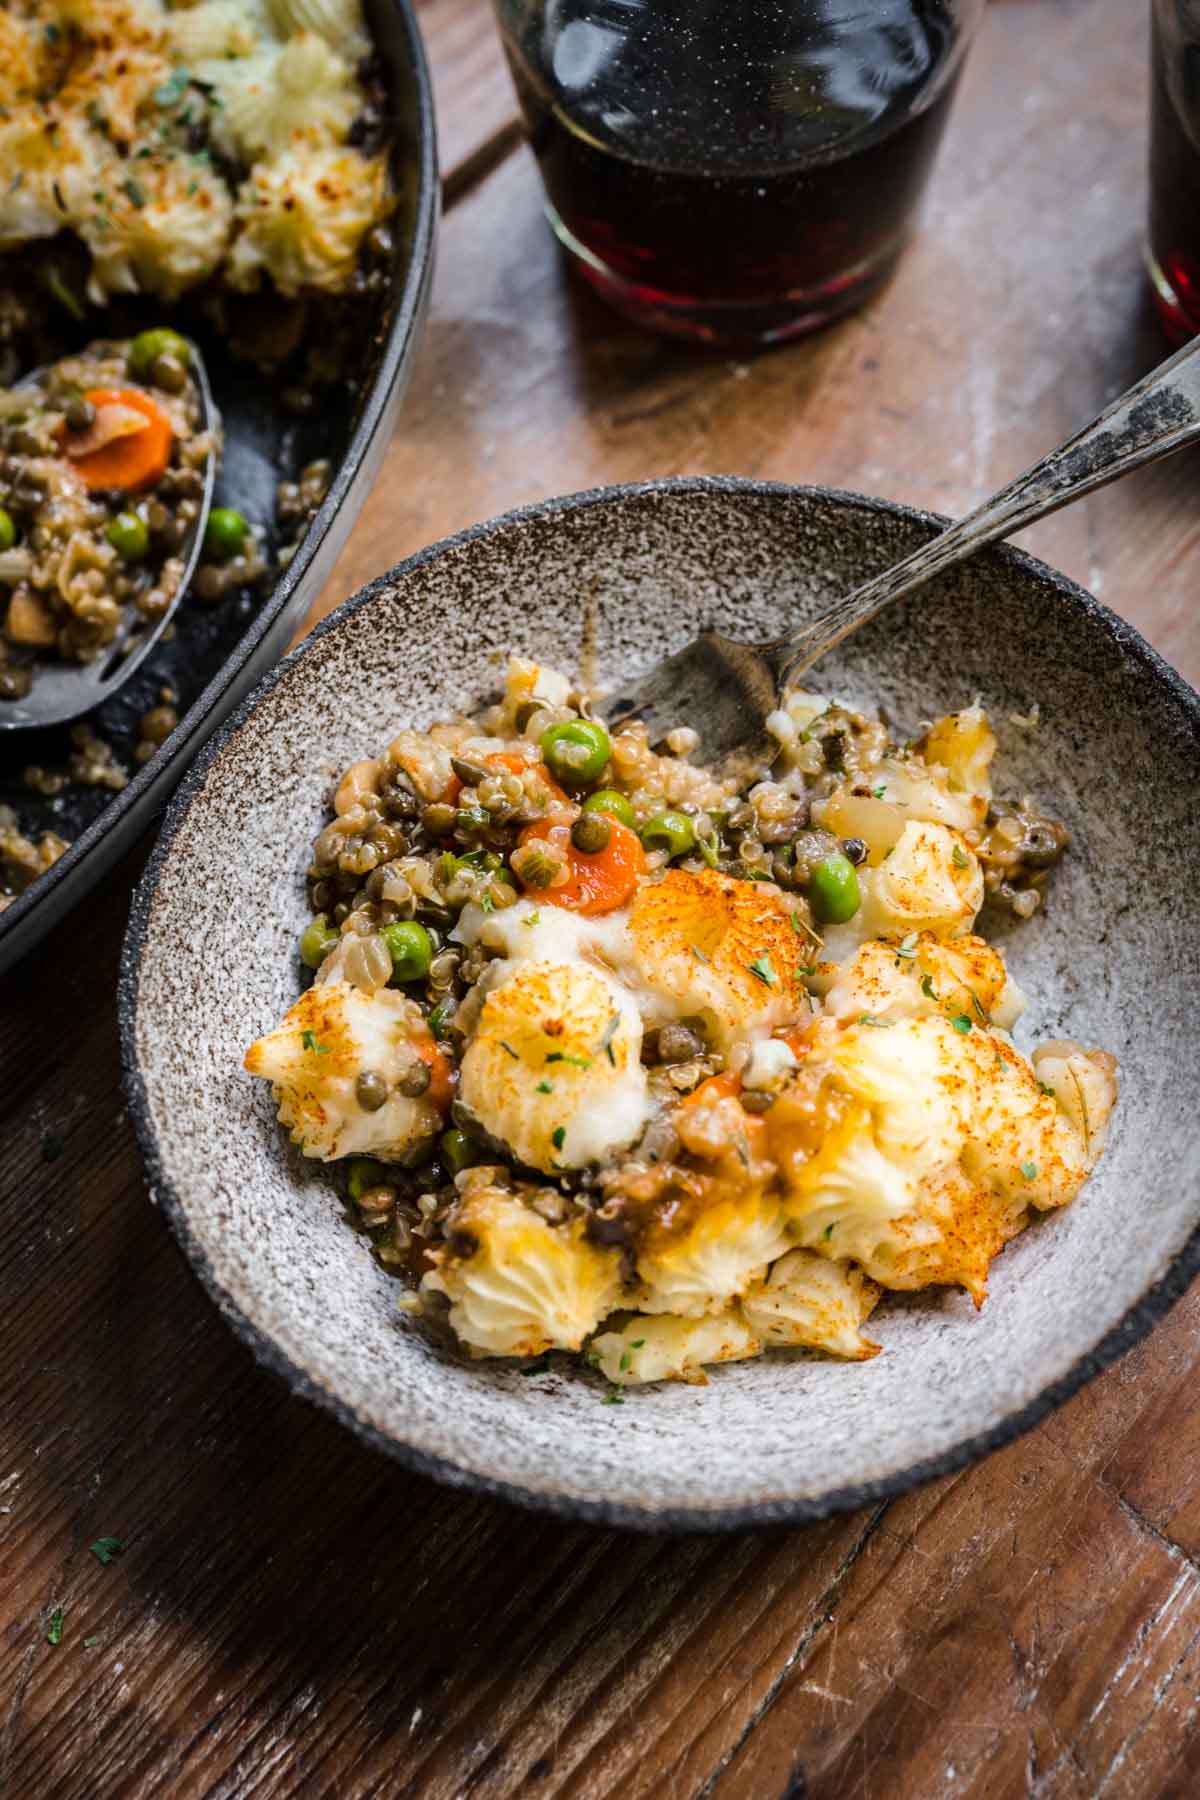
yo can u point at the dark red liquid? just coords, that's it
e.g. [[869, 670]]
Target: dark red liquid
[[765, 213], [1175, 177], [748, 239]]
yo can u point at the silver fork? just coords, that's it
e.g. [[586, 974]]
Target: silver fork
[[725, 689]]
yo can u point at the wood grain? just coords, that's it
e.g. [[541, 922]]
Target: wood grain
[[292, 1615], [473, 97]]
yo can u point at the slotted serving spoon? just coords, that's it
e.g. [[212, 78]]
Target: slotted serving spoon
[[725, 690], [62, 691]]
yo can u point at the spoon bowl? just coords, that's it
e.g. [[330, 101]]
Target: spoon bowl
[[63, 691]]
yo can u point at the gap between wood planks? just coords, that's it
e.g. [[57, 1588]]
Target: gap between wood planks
[[823, 1614], [475, 168]]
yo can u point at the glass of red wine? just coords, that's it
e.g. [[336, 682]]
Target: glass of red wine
[[1173, 246], [736, 171]]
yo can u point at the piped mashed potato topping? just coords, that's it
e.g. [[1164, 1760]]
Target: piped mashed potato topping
[[226, 138], [640, 1061]]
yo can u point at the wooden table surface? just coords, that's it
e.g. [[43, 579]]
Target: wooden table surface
[[292, 1615]]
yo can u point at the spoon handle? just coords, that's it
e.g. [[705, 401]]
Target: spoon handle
[[1156, 417]]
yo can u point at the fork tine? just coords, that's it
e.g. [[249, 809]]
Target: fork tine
[[722, 689]]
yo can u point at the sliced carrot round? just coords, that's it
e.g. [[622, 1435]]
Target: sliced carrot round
[[129, 460], [600, 881]]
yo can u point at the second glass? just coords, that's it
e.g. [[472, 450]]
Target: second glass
[[735, 170]]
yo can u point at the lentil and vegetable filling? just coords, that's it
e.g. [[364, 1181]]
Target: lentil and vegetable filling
[[102, 467], [633, 1058]]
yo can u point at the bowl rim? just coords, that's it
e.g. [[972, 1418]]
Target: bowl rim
[[36, 910], [1152, 1305]]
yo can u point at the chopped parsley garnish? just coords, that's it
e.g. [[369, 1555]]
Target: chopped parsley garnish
[[614, 1397], [54, 1629], [870, 1019], [540, 1367], [558, 1136], [1043, 1089], [698, 953], [309, 1040], [626, 1359], [505, 1045], [135, 190], [961, 1022], [545, 1087], [1029, 1171], [927, 987], [532, 918], [172, 89], [761, 966], [578, 1062], [958, 857], [978, 1005], [828, 1232], [879, 792], [605, 1044], [486, 903], [708, 849], [58, 290], [807, 969], [637, 1343], [105, 1548]]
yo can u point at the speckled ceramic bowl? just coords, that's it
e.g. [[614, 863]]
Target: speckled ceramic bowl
[[627, 575]]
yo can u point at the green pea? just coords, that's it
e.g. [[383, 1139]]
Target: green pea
[[364, 1174], [460, 1151], [608, 800], [8, 531], [148, 346], [316, 941], [411, 949], [225, 533], [833, 890], [129, 536], [575, 753], [673, 832]]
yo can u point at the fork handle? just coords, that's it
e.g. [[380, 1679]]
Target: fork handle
[[1156, 417]]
